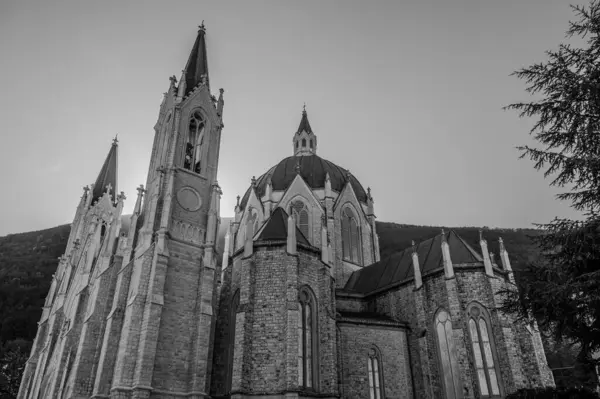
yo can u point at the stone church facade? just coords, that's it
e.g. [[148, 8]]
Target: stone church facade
[[295, 303]]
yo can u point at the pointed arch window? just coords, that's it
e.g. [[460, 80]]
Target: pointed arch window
[[303, 143], [351, 240], [233, 308], [447, 355], [374, 370], [299, 211], [193, 147], [307, 340], [486, 363]]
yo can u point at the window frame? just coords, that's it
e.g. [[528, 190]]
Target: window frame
[[477, 312], [352, 217], [452, 355], [306, 297], [375, 373], [197, 154], [296, 215]]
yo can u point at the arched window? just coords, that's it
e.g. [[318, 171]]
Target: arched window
[[374, 369], [307, 340], [311, 144], [233, 308], [299, 210], [193, 147], [351, 242], [303, 143], [484, 355], [447, 351], [297, 142]]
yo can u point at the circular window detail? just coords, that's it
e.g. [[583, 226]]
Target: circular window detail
[[189, 199]]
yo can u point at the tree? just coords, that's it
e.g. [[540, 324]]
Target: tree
[[13, 356], [562, 290]]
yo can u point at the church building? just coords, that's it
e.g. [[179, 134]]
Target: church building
[[294, 302]]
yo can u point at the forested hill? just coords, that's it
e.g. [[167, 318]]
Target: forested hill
[[28, 260]]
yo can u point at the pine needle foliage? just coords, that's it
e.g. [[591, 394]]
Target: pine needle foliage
[[561, 290]]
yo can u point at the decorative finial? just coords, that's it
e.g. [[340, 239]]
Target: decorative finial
[[253, 181], [122, 196], [480, 235], [108, 188], [201, 27], [238, 200], [140, 189], [492, 257], [86, 189], [413, 245], [116, 140], [369, 193], [348, 175], [304, 108], [298, 168], [173, 80]]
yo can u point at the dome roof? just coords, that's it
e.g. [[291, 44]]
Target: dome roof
[[313, 170]]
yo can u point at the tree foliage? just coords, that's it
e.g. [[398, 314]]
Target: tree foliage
[[568, 112], [562, 290]]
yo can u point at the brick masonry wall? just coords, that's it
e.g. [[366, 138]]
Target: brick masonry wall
[[356, 342], [265, 356], [173, 347], [419, 309]]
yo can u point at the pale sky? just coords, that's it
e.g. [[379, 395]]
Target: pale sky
[[408, 95]]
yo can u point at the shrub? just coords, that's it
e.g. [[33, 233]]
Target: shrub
[[553, 393]]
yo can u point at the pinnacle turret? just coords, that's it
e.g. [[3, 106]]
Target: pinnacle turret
[[305, 141]]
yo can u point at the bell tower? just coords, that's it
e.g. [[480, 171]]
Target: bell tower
[[168, 323]]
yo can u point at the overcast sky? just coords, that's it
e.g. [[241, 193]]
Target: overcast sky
[[405, 94]]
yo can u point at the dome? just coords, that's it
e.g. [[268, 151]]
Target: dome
[[313, 170]]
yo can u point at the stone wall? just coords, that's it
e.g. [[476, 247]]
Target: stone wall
[[516, 352], [356, 342]]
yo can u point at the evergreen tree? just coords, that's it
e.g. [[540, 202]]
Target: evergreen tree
[[562, 290]]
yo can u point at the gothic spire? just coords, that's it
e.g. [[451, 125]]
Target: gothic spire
[[196, 69], [108, 174], [304, 125], [305, 141]]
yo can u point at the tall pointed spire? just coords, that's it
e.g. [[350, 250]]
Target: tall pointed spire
[[304, 125], [108, 174], [305, 141], [196, 69]]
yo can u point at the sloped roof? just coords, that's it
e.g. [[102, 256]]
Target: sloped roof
[[304, 125], [276, 226], [107, 175], [398, 267], [197, 64], [313, 170], [369, 319]]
